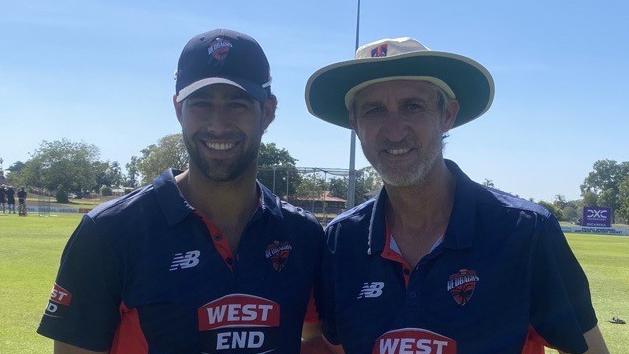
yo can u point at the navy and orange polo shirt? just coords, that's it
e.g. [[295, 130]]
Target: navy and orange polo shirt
[[146, 274], [502, 280]]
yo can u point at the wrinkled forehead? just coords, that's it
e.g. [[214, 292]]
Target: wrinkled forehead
[[397, 90]]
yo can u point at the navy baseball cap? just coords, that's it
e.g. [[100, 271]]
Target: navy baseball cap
[[223, 56]]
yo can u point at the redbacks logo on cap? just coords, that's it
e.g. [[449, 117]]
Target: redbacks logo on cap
[[219, 48], [278, 252], [223, 57], [461, 285], [413, 340], [379, 51]]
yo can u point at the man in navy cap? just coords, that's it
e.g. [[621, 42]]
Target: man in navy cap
[[437, 263], [201, 261]]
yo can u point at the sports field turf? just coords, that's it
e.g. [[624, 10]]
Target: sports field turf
[[29, 256]]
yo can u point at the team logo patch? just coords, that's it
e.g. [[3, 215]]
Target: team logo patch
[[379, 51], [219, 48], [60, 299], [461, 285], [278, 253], [239, 310], [60, 295], [414, 340], [239, 323]]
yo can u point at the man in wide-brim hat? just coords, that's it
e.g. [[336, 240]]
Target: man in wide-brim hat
[[437, 263]]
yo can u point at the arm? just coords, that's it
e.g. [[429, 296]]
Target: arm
[[595, 342], [83, 308], [313, 341], [63, 348], [561, 305]]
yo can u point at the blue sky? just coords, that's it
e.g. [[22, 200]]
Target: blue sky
[[102, 72]]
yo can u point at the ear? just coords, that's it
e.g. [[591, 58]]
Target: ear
[[178, 108], [449, 116], [352, 121], [268, 111]]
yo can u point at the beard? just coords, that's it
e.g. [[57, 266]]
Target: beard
[[414, 172], [222, 170]]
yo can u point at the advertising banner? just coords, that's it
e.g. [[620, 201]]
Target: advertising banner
[[597, 217]]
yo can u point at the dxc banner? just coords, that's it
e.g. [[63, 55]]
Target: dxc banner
[[597, 217]]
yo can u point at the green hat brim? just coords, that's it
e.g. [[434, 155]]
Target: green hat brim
[[470, 81]]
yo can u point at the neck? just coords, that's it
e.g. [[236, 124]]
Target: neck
[[422, 209], [220, 201]]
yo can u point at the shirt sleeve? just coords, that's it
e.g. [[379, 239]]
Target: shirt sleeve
[[324, 292], [83, 309], [561, 306]]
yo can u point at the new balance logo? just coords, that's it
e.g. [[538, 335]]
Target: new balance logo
[[185, 260], [373, 289]]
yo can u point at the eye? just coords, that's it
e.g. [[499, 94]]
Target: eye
[[415, 107], [373, 110], [238, 105], [200, 104]]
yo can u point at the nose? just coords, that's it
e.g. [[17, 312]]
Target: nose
[[217, 121], [395, 127]]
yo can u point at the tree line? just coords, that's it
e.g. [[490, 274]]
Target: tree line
[[607, 185], [75, 169]]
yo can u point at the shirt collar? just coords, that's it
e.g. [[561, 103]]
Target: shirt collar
[[269, 202], [460, 231], [175, 207]]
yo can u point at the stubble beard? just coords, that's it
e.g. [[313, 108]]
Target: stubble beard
[[416, 175], [222, 170]]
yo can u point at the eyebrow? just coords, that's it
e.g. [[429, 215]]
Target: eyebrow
[[413, 99], [376, 103], [240, 95], [370, 104]]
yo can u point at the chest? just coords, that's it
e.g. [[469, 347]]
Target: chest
[[190, 297], [462, 297]]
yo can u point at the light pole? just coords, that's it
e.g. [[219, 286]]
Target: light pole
[[351, 186]]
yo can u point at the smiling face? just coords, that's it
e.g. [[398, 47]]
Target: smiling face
[[400, 125], [222, 128]]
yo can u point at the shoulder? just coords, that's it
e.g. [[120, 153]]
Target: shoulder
[[297, 215], [351, 227], [288, 215], [500, 199], [127, 217], [356, 215], [124, 206], [301, 224], [507, 211]]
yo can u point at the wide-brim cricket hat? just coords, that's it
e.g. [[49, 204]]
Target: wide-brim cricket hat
[[330, 90], [223, 56]]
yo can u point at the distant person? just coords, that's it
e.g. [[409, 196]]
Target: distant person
[[206, 260], [438, 263], [3, 198], [21, 199], [11, 199]]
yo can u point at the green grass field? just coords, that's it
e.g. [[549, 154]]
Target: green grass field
[[29, 256]]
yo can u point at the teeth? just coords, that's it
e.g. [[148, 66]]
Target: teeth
[[398, 151], [220, 146]]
